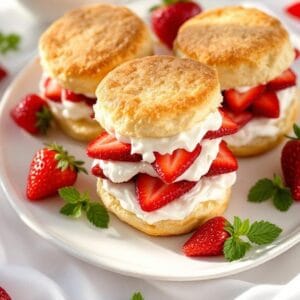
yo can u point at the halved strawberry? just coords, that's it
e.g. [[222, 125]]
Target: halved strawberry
[[238, 102], [52, 90], [228, 127], [266, 105], [225, 162], [294, 9], [240, 119], [98, 172], [152, 193], [285, 80], [107, 147], [171, 166]]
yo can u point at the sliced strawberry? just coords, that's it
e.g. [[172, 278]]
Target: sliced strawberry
[[52, 90], [225, 162], [238, 102], [294, 9], [240, 119], [171, 166], [107, 147], [152, 193], [72, 97], [266, 105], [297, 53], [228, 127], [98, 172], [285, 80]]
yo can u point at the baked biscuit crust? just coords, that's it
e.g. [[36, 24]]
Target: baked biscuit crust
[[81, 47], [156, 96], [203, 212], [247, 46]]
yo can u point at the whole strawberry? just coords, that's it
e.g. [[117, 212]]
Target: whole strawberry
[[167, 19], [4, 295], [51, 169], [218, 236], [32, 114], [290, 163]]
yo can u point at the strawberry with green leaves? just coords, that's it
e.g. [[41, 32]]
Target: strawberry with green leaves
[[76, 203], [167, 18], [266, 188], [219, 237], [32, 114], [51, 169], [290, 163]]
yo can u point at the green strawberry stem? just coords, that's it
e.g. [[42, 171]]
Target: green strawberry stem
[[297, 133], [65, 160], [44, 118]]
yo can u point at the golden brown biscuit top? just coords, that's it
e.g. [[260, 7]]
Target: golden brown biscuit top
[[230, 36], [156, 96], [86, 40]]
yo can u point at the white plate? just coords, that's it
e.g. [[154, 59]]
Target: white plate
[[121, 248]]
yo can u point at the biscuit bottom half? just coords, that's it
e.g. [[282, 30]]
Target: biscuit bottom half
[[203, 212], [80, 130], [261, 145]]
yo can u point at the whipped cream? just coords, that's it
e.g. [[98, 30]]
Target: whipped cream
[[118, 171], [243, 89], [208, 188], [263, 127], [185, 140]]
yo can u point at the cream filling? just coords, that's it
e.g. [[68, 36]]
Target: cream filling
[[118, 171], [263, 127], [208, 188]]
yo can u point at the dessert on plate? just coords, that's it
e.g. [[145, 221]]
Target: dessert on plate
[[77, 51], [252, 53], [162, 165]]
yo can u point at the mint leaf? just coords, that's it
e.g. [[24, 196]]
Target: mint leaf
[[137, 296], [69, 194], [71, 210], [282, 199], [97, 215], [297, 130], [261, 191], [263, 232], [235, 248], [9, 42]]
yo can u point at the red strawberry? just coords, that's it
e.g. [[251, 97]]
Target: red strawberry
[[51, 169], [290, 164], [32, 114], [297, 53], [107, 147], [98, 172], [228, 127], [3, 73], [4, 295], [70, 96], [171, 166], [52, 90], [240, 119], [167, 19], [266, 105], [225, 162], [239, 102], [294, 9], [208, 240], [152, 193], [285, 80]]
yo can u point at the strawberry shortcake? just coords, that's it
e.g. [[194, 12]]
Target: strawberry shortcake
[[252, 53], [161, 163], [77, 51]]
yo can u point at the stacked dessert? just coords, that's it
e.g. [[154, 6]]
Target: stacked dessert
[[253, 54], [77, 51], [162, 165]]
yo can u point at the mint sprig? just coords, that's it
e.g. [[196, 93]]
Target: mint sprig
[[9, 42], [137, 296], [77, 203], [260, 233], [265, 189]]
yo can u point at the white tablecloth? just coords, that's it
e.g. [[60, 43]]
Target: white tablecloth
[[77, 280]]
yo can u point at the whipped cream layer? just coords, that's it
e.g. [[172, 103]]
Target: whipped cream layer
[[187, 140], [68, 109], [208, 188], [263, 127], [118, 171]]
